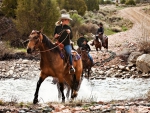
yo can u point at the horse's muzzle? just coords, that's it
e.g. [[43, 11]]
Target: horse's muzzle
[[29, 51]]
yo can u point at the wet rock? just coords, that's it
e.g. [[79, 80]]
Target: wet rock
[[118, 75], [121, 67], [145, 75]]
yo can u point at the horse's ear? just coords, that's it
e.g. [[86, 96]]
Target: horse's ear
[[42, 30]]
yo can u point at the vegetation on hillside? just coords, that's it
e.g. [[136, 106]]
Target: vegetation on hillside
[[28, 15]]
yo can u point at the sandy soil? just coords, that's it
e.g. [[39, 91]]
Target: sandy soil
[[141, 21]]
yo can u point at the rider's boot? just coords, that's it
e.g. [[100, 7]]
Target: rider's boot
[[72, 70]]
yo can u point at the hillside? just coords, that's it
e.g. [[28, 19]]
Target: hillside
[[124, 42]]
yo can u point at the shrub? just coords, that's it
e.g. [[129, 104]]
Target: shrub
[[116, 29], [4, 50], [88, 28], [130, 2], [122, 1], [144, 45], [143, 37], [107, 2]]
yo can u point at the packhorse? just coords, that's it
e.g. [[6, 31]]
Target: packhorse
[[53, 63], [100, 42]]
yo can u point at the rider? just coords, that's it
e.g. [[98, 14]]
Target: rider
[[85, 46], [100, 31], [64, 25], [81, 40]]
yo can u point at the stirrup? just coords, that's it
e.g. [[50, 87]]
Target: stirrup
[[72, 70]]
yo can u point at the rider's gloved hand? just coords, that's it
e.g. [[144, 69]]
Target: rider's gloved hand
[[68, 31], [56, 35]]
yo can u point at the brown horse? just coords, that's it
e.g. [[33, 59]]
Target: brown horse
[[52, 64], [103, 42], [87, 63]]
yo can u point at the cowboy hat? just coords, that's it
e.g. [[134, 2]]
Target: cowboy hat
[[65, 16]]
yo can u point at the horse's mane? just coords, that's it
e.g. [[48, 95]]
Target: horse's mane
[[49, 44]]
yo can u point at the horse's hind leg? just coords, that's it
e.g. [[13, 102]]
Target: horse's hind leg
[[75, 87], [89, 69], [107, 44], [68, 91], [62, 91], [37, 90]]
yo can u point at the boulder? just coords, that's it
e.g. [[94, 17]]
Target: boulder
[[143, 63], [133, 56]]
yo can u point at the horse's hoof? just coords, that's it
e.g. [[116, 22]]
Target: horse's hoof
[[35, 101], [63, 101], [71, 101], [74, 94]]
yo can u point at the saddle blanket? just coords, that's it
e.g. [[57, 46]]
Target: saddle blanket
[[75, 55]]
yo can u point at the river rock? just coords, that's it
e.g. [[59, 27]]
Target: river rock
[[143, 63], [133, 57]]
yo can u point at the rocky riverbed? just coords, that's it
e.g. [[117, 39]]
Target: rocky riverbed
[[106, 84]]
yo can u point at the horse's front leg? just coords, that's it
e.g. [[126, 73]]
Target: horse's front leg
[[62, 91], [35, 100]]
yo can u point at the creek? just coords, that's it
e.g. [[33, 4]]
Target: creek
[[22, 90]]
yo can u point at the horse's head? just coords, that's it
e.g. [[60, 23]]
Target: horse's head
[[84, 55], [35, 38]]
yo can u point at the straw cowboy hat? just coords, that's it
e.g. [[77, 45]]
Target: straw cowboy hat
[[65, 16]]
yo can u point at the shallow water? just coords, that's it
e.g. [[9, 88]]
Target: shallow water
[[109, 89]]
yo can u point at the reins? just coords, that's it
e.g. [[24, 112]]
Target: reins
[[58, 44]]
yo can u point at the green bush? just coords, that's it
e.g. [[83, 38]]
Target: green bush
[[107, 2], [4, 50], [130, 2], [116, 29], [122, 1]]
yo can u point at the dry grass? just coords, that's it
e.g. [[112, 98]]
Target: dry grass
[[144, 38], [4, 50]]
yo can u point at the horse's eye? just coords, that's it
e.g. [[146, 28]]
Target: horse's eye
[[36, 37]]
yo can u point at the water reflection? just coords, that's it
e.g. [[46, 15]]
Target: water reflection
[[96, 90]]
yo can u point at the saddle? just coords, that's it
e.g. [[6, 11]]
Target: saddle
[[65, 57]]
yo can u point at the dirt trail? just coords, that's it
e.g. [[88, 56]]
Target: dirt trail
[[140, 21]]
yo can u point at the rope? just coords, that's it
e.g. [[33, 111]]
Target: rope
[[58, 44]]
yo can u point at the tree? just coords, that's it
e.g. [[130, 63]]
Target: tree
[[77, 20], [8, 8], [81, 7], [61, 3], [101, 1], [92, 4], [36, 14], [78, 5]]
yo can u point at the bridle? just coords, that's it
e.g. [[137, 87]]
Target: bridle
[[38, 40]]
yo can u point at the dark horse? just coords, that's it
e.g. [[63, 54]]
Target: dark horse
[[103, 42], [52, 64], [87, 63]]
